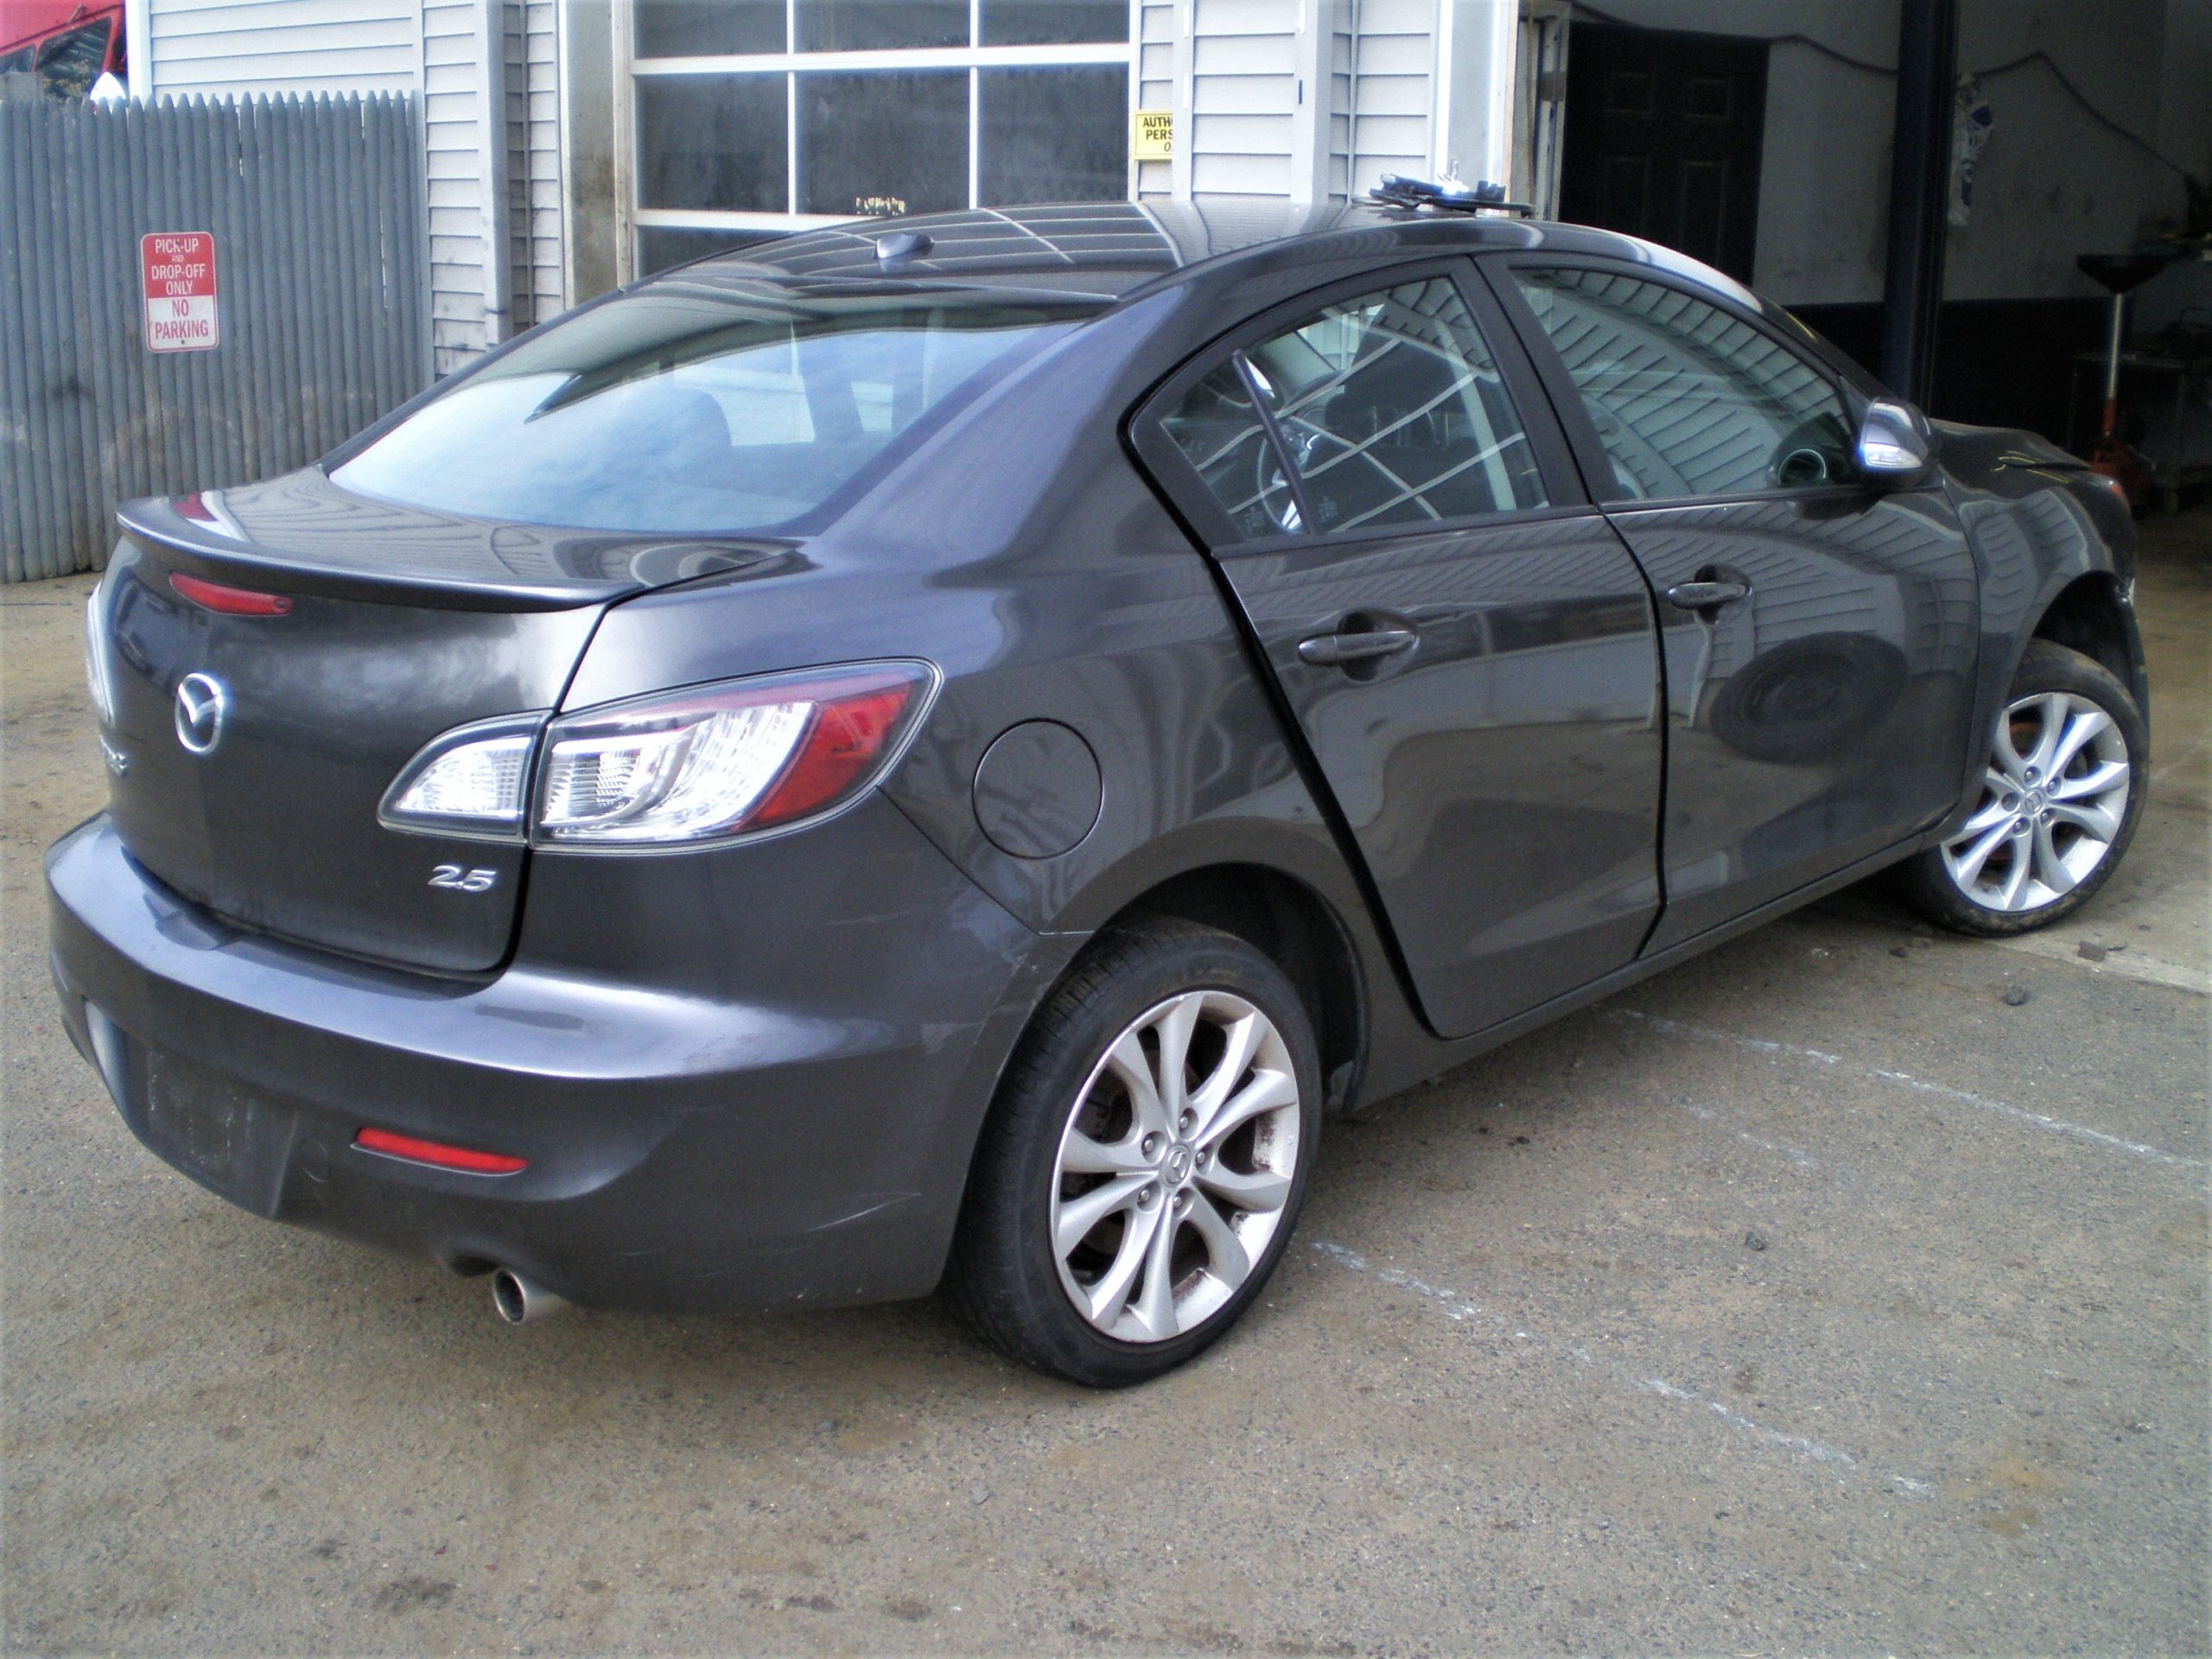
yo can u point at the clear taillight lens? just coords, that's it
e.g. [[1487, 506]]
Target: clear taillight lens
[[97, 675], [719, 760], [472, 780]]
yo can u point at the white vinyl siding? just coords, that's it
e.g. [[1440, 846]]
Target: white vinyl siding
[[247, 48], [1392, 92], [534, 162], [1156, 73], [1243, 96], [239, 48], [454, 156]]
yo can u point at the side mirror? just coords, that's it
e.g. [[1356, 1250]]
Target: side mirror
[[1895, 445]]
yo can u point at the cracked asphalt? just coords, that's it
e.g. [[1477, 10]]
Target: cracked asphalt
[[1815, 1296]]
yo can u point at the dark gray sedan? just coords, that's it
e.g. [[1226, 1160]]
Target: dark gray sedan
[[938, 751]]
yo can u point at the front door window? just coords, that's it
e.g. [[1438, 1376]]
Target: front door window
[[1688, 399]]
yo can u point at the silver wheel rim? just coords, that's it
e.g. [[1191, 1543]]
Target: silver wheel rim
[[1174, 1167], [2053, 798]]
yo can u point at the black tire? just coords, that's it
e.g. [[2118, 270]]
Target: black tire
[[1926, 879], [1004, 1280]]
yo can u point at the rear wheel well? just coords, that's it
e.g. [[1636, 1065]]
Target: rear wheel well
[[2087, 616], [1290, 923]]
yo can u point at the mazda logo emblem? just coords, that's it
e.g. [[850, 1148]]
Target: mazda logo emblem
[[202, 704]]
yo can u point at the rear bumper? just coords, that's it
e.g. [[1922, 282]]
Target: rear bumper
[[775, 1140]]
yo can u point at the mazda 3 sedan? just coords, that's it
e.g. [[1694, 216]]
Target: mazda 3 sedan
[[937, 752]]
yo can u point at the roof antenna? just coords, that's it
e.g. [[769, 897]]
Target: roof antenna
[[902, 245]]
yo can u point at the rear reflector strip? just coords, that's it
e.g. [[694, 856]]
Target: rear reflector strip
[[231, 601], [437, 1154]]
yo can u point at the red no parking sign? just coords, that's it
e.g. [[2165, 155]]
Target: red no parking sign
[[179, 272]]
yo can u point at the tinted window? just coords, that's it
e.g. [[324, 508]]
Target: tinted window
[[1055, 135], [69, 64], [1394, 413], [1390, 407], [692, 409], [1221, 432], [1688, 399]]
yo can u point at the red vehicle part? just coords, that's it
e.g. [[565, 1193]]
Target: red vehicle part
[[68, 44]]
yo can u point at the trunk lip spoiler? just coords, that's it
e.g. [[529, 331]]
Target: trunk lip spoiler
[[154, 526]]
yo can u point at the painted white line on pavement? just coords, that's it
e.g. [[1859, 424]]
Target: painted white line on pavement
[[1461, 1311], [1906, 1080], [2130, 963], [1801, 1159]]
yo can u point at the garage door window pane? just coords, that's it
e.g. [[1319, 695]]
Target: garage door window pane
[[683, 29], [880, 25], [1688, 399], [1055, 134], [1394, 413], [1040, 22], [713, 142], [883, 142], [660, 246]]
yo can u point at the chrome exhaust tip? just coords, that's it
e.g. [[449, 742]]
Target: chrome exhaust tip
[[518, 1301]]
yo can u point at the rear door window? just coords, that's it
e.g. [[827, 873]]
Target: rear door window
[[1388, 407], [689, 409]]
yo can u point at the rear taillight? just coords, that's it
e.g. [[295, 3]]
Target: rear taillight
[[719, 760], [474, 780], [675, 768]]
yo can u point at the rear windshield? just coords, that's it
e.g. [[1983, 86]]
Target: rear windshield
[[691, 409]]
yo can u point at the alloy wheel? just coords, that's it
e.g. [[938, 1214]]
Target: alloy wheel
[[1177, 1160], [2053, 800]]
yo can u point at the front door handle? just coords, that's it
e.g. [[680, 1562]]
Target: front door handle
[[1708, 594], [1340, 650]]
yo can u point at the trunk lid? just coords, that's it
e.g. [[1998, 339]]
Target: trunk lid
[[396, 626]]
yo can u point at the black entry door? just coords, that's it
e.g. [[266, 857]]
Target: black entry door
[[1663, 132], [1820, 633], [1471, 661]]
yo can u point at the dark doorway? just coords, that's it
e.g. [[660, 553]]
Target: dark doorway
[[1663, 131]]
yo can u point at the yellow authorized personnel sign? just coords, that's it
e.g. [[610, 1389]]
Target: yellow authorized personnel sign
[[1153, 135]]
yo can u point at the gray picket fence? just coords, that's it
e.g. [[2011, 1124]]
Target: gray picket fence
[[316, 206]]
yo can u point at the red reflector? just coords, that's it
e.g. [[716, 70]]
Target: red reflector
[[231, 601], [437, 1153], [843, 742]]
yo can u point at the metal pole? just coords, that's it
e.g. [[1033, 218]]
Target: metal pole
[[1927, 32]]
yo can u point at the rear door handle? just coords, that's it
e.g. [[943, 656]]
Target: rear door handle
[[1707, 596], [1337, 650]]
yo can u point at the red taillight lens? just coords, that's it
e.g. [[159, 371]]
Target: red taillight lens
[[231, 601], [713, 761], [845, 740], [437, 1153]]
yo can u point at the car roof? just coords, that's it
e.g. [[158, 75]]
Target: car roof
[[1110, 252]]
